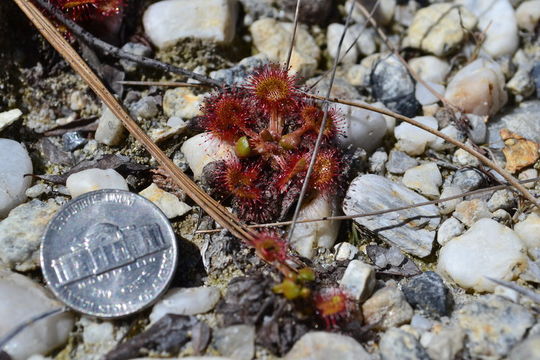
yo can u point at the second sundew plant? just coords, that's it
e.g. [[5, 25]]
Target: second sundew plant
[[273, 127]]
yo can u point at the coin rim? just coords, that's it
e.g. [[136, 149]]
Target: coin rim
[[120, 315]]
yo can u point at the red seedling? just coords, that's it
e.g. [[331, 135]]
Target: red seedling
[[226, 116], [80, 10], [270, 247], [332, 304]]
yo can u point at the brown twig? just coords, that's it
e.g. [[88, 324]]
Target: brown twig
[[381, 212], [119, 53], [214, 209], [161, 83], [513, 181]]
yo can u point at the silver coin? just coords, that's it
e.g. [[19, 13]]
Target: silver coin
[[109, 253]]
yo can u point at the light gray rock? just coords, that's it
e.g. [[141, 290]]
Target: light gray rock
[[345, 251], [412, 139], [478, 130], [470, 211], [528, 349], [20, 234], [430, 68], [166, 22], [443, 342], [110, 130], [320, 345], [498, 21], [487, 249], [507, 323], [94, 179], [464, 158], [9, 117], [502, 199], [377, 161], [387, 308], [145, 108], [182, 103], [399, 162], [138, 49], [360, 127], [425, 178], [529, 231], [448, 230], [397, 344], [523, 120], [478, 88], [449, 206], [22, 299], [440, 28], [14, 164], [358, 280], [239, 73], [186, 301], [468, 179], [425, 96], [333, 37], [167, 202], [236, 342], [369, 193]]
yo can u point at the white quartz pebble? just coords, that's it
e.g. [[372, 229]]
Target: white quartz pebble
[[496, 18], [529, 231], [110, 130], [412, 139], [360, 127], [186, 301], [9, 117], [167, 202], [166, 22], [478, 88], [425, 178], [358, 280], [94, 179], [308, 237], [21, 299], [14, 164], [425, 96], [430, 68], [528, 15], [333, 36], [202, 149], [487, 249]]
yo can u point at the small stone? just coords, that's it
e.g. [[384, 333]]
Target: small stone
[[478, 88], [428, 292], [236, 342], [21, 299], [425, 96], [358, 280], [360, 127], [73, 140], [528, 230], [94, 179], [464, 158], [182, 103], [478, 130], [425, 178], [528, 15], [398, 344], [110, 130], [523, 120], [369, 193], [507, 323], [486, 249], [430, 68], [20, 234], [502, 199], [272, 38], [366, 43], [399, 162], [443, 342], [421, 323], [145, 108], [528, 349], [448, 230], [387, 308], [167, 202], [239, 73], [9, 117], [468, 179], [449, 206], [528, 174], [203, 149], [440, 28], [138, 49], [440, 144], [521, 84], [314, 12], [320, 345], [470, 211], [333, 37], [394, 87], [186, 301], [345, 251], [38, 190], [377, 161], [518, 151], [168, 21], [341, 89], [394, 256], [412, 139], [498, 22], [15, 164], [309, 236]]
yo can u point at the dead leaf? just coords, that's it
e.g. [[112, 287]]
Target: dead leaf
[[518, 151]]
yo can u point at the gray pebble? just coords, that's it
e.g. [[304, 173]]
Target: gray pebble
[[399, 162], [428, 292], [397, 344]]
